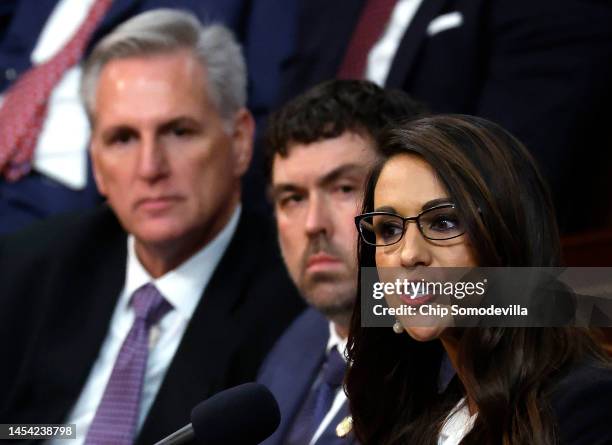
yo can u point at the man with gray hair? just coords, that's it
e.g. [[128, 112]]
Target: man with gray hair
[[123, 319]]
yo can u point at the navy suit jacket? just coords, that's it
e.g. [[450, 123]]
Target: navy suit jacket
[[21, 22], [60, 281], [540, 69], [290, 371]]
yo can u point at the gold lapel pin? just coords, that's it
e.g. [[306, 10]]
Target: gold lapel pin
[[344, 427]]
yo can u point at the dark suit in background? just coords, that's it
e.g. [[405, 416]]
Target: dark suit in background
[[540, 69], [290, 371], [268, 42], [60, 282]]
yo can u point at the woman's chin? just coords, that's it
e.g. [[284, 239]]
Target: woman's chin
[[424, 333]]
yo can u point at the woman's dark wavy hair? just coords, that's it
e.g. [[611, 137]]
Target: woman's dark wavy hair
[[393, 381]]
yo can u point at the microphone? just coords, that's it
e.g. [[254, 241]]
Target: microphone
[[243, 415]]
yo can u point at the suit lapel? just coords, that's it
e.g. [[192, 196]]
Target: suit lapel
[[329, 436], [410, 44], [308, 65], [334, 21], [200, 366]]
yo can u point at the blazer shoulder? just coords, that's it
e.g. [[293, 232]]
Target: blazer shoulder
[[57, 232], [582, 404], [306, 335], [311, 328], [60, 234]]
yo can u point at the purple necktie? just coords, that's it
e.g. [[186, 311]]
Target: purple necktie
[[117, 414]]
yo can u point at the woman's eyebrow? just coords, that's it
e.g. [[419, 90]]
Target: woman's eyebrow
[[436, 202], [427, 205]]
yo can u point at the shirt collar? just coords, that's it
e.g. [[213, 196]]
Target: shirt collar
[[183, 286], [336, 340]]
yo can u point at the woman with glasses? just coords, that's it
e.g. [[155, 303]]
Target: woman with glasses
[[459, 191]]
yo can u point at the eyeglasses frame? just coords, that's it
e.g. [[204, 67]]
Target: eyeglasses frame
[[405, 220]]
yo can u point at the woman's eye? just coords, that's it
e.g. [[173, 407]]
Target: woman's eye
[[388, 230], [444, 223]]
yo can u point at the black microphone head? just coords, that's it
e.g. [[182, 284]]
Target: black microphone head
[[243, 415]]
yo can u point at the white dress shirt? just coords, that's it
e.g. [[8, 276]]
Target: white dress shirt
[[182, 287], [458, 423], [61, 149], [383, 52], [340, 399]]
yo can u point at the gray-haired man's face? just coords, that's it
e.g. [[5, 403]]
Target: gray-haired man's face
[[162, 154]]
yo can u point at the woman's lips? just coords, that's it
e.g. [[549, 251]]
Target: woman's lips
[[417, 300]]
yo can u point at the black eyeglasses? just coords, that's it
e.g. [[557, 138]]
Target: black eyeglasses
[[385, 228]]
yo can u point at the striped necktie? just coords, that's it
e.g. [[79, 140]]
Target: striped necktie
[[25, 104], [372, 21]]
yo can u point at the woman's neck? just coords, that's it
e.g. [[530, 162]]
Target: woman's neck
[[450, 341]]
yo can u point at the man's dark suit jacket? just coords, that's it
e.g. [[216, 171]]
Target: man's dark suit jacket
[[290, 371], [541, 69], [59, 283]]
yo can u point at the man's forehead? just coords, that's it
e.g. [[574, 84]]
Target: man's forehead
[[348, 153], [160, 87]]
